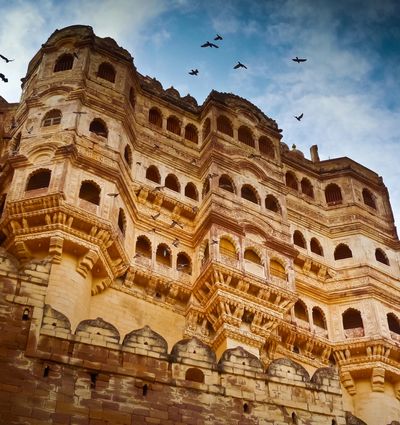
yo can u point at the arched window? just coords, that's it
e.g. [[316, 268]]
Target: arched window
[[291, 181], [191, 191], [306, 188], [225, 182], [122, 221], [191, 133], [266, 147], [90, 192], [98, 126], [393, 323], [247, 192], [316, 247], [381, 256], [352, 322], [272, 204], [245, 136], [251, 255], [155, 117], [163, 255], [300, 311], [38, 180], [143, 247], [318, 318], [206, 128], [369, 198], [183, 263], [128, 155], [195, 375], [224, 125], [342, 251], [16, 144], [107, 72], [132, 99], [173, 125], [171, 182], [3, 198], [153, 174], [298, 239], [52, 117], [277, 269], [227, 248], [64, 62], [206, 187], [333, 194]]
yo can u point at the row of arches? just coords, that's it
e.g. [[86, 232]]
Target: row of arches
[[341, 252], [300, 311], [333, 192], [224, 125], [162, 254], [225, 182]]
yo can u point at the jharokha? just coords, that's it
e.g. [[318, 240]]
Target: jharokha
[[164, 262]]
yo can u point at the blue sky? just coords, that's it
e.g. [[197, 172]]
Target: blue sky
[[348, 89]]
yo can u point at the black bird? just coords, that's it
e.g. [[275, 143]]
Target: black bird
[[138, 163], [239, 65], [3, 77], [79, 112], [208, 44], [176, 223], [299, 117], [217, 37], [6, 59], [155, 216], [253, 155], [113, 195], [175, 243], [76, 55], [298, 60], [211, 175], [156, 146], [30, 130], [194, 72], [214, 242]]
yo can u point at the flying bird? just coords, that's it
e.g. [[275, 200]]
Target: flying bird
[[155, 146], [30, 130], [239, 65], [3, 77], [217, 37], [76, 55], [214, 242], [299, 117], [113, 195], [176, 223], [175, 243], [194, 72], [208, 44], [6, 59], [155, 216], [298, 60]]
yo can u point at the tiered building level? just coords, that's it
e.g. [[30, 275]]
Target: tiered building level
[[134, 219]]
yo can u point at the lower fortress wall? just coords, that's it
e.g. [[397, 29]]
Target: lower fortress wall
[[95, 376]]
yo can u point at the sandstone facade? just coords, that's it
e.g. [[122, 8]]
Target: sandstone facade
[[174, 263]]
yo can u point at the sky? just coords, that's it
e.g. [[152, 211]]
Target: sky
[[348, 90]]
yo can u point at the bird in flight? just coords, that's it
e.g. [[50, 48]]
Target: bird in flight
[[6, 59], [76, 55], [175, 243], [194, 72], [298, 60], [217, 37], [299, 117], [176, 223], [3, 77], [208, 44], [113, 195], [239, 65], [155, 216]]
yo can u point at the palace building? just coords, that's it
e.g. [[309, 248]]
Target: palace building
[[164, 262]]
